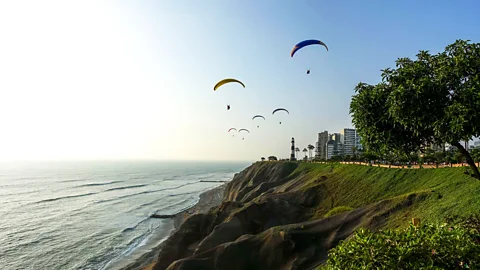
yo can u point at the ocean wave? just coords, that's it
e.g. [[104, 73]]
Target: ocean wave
[[145, 192], [66, 197], [126, 187], [73, 180], [127, 250], [19, 193], [136, 225], [170, 177], [155, 201], [140, 177], [208, 175], [186, 193], [178, 211], [99, 184], [19, 244]]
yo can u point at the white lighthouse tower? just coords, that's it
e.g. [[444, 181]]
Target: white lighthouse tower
[[292, 153]]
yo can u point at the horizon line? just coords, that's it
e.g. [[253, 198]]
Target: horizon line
[[123, 159]]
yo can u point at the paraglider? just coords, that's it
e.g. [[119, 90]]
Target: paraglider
[[280, 109], [225, 81], [258, 116], [231, 130], [246, 130], [307, 43]]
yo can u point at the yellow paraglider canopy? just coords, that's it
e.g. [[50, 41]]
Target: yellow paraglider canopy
[[225, 81]]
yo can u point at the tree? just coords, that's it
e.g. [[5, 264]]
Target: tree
[[354, 153], [369, 156], [296, 152], [336, 158], [263, 159], [459, 157], [433, 99], [272, 158], [439, 157], [475, 153], [310, 148], [305, 151]]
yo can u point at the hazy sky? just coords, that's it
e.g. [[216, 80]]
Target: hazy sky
[[134, 79]]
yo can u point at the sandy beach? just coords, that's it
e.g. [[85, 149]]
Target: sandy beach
[[208, 199]]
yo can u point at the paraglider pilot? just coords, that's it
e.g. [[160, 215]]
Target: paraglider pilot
[[308, 71], [228, 107]]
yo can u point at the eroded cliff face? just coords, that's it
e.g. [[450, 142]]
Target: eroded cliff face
[[267, 220]]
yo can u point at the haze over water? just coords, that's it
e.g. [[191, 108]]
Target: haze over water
[[94, 215]]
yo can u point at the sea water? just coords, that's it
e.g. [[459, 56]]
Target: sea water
[[94, 215]]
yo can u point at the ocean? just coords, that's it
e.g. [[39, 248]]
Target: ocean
[[94, 215]]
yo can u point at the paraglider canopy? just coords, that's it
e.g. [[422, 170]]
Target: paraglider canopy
[[246, 130], [280, 109], [258, 116], [305, 43], [231, 130], [225, 81]]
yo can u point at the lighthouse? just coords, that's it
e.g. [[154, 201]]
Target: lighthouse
[[292, 154]]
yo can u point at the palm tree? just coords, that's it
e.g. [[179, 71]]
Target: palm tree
[[310, 148], [296, 152], [305, 151]]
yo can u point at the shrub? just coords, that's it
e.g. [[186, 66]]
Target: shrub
[[426, 247], [338, 210]]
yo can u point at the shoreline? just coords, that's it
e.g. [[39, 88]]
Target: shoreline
[[207, 199]]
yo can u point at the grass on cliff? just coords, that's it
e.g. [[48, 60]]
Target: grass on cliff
[[440, 192]]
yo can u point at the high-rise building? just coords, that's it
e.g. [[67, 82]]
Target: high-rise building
[[336, 137], [321, 148], [334, 145], [330, 148], [334, 148], [358, 143], [349, 141]]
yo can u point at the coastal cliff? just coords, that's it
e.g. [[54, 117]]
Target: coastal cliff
[[287, 215]]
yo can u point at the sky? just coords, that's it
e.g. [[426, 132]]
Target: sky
[[134, 79]]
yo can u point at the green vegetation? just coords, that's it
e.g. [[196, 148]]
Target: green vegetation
[[431, 100], [427, 247], [426, 194], [338, 210]]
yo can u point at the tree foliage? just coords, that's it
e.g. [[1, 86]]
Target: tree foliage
[[433, 99], [427, 247]]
